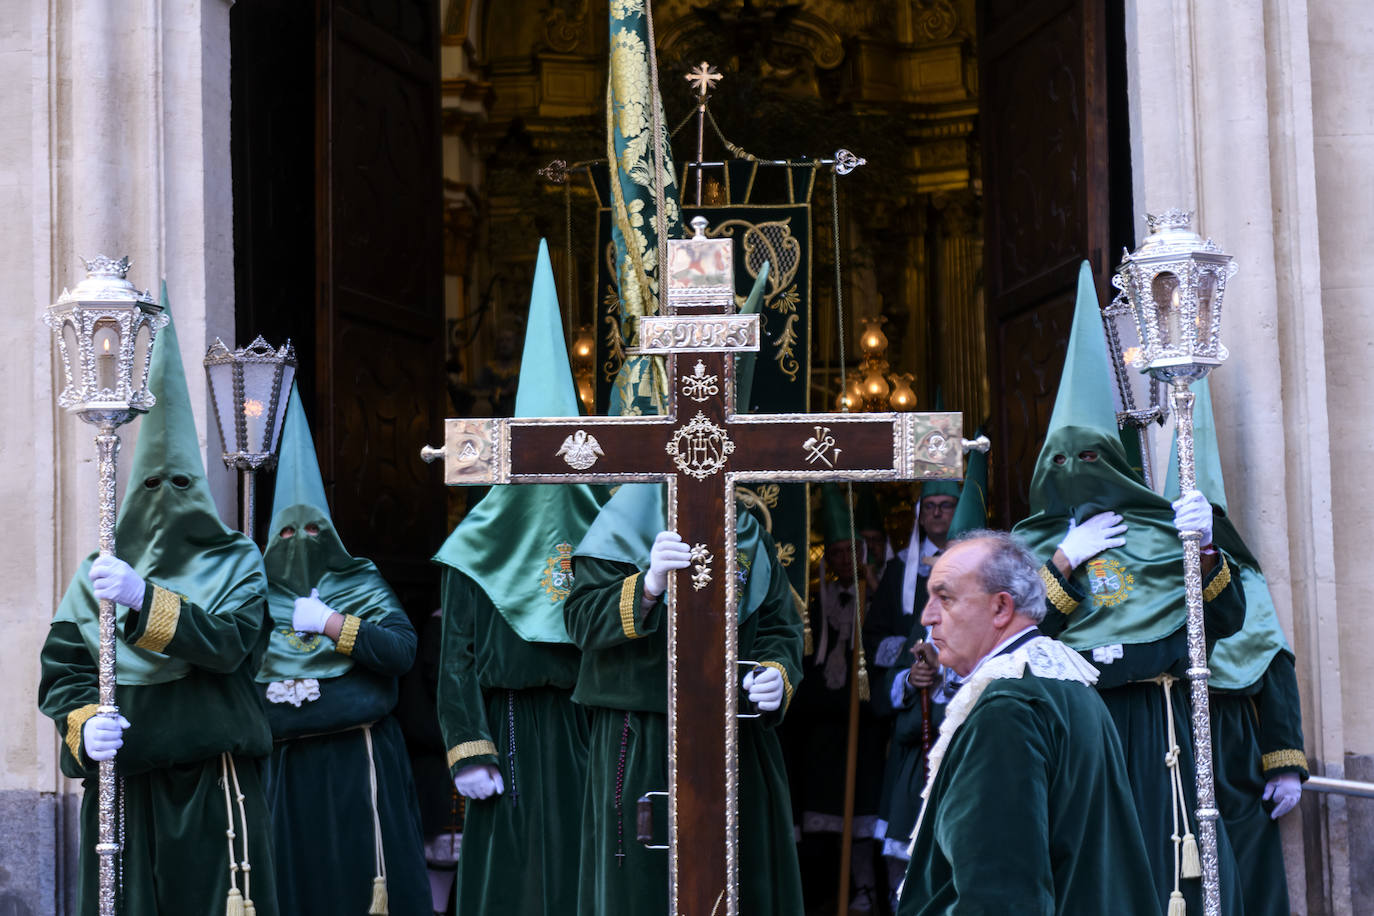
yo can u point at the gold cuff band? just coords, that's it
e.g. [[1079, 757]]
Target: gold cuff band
[[1288, 757], [348, 634], [1055, 592], [786, 682], [76, 720], [1218, 583], [163, 615], [627, 607], [468, 749]]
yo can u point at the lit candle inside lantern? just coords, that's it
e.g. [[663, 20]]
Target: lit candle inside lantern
[[107, 358]]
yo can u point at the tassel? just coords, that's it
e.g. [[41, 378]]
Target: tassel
[[379, 901], [864, 692], [1192, 865], [1177, 906], [234, 905], [249, 909]]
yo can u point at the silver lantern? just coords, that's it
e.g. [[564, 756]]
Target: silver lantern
[[249, 389], [105, 330]]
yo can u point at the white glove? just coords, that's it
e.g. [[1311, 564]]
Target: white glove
[[112, 578], [310, 614], [668, 553], [1284, 791], [481, 780], [765, 688], [101, 736], [1192, 512], [1085, 541]]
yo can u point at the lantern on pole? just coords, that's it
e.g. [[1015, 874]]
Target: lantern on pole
[[1174, 284], [249, 388], [105, 330]]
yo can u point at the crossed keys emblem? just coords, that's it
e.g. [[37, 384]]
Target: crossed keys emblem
[[819, 445]]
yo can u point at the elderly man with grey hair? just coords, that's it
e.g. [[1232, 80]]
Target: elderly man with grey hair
[[1027, 808]]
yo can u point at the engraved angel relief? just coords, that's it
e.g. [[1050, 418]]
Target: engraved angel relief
[[701, 566], [580, 450], [699, 386]]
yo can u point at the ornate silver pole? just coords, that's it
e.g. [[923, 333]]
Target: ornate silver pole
[[1173, 286], [107, 845], [105, 330], [248, 476], [1181, 401]]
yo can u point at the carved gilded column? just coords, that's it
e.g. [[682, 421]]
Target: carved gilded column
[[958, 254]]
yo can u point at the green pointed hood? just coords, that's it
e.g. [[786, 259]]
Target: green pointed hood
[[168, 529], [835, 527], [1241, 659], [972, 511], [626, 527], [1136, 591], [517, 543], [301, 561]]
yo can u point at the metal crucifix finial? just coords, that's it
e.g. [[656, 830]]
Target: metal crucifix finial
[[704, 79]]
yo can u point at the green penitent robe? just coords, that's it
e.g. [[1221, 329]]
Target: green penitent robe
[[507, 701], [1257, 733], [1136, 704], [1030, 812], [175, 858], [623, 681]]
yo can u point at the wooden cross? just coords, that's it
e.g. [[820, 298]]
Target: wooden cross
[[701, 450]]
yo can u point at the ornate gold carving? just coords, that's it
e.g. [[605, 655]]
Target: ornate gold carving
[[677, 333], [468, 749], [580, 450], [700, 448]]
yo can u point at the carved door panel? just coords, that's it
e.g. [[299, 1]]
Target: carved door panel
[[379, 297], [1045, 154]]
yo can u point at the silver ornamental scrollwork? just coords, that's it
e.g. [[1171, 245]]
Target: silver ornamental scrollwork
[[580, 450], [472, 452], [699, 386], [671, 333], [846, 162], [701, 566], [936, 447], [700, 448]]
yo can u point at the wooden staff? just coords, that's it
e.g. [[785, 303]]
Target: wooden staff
[[851, 763], [925, 734]]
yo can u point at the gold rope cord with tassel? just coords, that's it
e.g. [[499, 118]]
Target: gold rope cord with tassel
[[379, 899], [237, 903]]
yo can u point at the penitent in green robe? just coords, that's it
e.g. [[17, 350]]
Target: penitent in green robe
[[507, 701], [1257, 733], [623, 680], [175, 858], [1030, 812], [1136, 704]]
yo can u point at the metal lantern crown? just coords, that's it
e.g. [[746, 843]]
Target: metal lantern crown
[[1175, 283], [105, 329], [249, 388]]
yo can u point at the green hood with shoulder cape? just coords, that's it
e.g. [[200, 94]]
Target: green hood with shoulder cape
[[1136, 590], [303, 561], [625, 529], [1241, 659], [168, 529], [517, 543]]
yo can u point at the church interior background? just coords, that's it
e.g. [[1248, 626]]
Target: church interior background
[[391, 178]]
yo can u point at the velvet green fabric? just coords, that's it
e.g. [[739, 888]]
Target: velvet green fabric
[[624, 680], [304, 561], [1030, 812], [319, 792], [175, 857], [517, 543], [520, 852], [625, 529], [1240, 660], [168, 529]]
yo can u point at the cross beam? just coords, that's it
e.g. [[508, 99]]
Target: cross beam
[[701, 449]]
